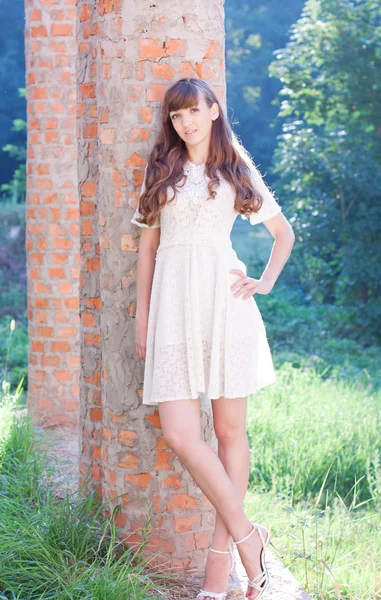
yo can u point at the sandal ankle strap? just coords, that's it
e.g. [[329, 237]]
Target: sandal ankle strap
[[230, 551], [219, 551], [255, 526]]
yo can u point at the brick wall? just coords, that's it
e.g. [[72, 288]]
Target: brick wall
[[52, 234]]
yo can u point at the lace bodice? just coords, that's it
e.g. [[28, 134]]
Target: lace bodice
[[193, 218]]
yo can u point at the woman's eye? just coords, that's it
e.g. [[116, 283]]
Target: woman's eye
[[176, 115]]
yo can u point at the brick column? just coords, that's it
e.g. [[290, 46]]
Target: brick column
[[52, 235], [127, 54]]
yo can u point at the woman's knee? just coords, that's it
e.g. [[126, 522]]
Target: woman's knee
[[180, 441], [228, 434], [174, 438], [180, 423]]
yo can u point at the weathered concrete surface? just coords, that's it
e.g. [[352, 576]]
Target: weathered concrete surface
[[129, 54]]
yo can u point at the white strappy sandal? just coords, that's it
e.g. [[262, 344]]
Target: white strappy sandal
[[219, 595], [260, 581]]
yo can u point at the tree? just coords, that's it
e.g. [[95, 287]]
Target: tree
[[329, 153], [15, 190], [253, 32]]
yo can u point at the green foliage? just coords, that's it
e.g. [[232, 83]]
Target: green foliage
[[13, 352], [317, 336], [15, 190], [13, 292], [12, 260], [12, 78], [329, 154], [253, 32]]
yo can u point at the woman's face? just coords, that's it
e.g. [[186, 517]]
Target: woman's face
[[194, 124]]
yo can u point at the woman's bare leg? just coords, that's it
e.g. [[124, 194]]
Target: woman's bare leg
[[180, 422], [229, 415]]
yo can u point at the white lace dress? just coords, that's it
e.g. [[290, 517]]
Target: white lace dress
[[202, 342]]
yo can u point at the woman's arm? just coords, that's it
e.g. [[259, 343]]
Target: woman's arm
[[271, 215], [148, 245], [284, 236]]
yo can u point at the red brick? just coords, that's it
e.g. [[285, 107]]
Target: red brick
[[151, 48], [130, 461], [63, 375], [140, 480], [96, 414], [37, 346], [87, 90], [163, 70], [88, 320], [173, 480], [155, 92], [146, 113], [61, 29], [89, 188], [186, 523], [85, 13], [127, 437], [181, 501], [162, 461], [39, 31], [87, 208], [60, 347]]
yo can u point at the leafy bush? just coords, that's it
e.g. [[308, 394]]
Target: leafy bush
[[329, 154], [13, 276], [14, 336]]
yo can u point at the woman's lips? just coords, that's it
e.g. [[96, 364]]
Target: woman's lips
[[191, 132]]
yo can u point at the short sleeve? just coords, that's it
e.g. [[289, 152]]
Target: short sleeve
[[137, 213], [270, 206]]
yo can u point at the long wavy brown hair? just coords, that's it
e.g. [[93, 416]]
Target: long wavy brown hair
[[169, 154]]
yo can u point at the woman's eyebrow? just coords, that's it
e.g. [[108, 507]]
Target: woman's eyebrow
[[176, 111]]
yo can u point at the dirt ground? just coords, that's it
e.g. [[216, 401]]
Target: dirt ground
[[62, 447]]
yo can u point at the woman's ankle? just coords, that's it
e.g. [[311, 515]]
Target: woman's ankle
[[221, 542]]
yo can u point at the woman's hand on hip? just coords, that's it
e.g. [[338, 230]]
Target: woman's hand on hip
[[248, 286]]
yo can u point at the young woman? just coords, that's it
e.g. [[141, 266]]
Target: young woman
[[198, 327]]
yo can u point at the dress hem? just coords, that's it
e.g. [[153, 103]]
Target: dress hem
[[259, 387]]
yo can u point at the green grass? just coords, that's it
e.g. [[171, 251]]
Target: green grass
[[334, 551], [66, 550], [315, 478], [309, 430]]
